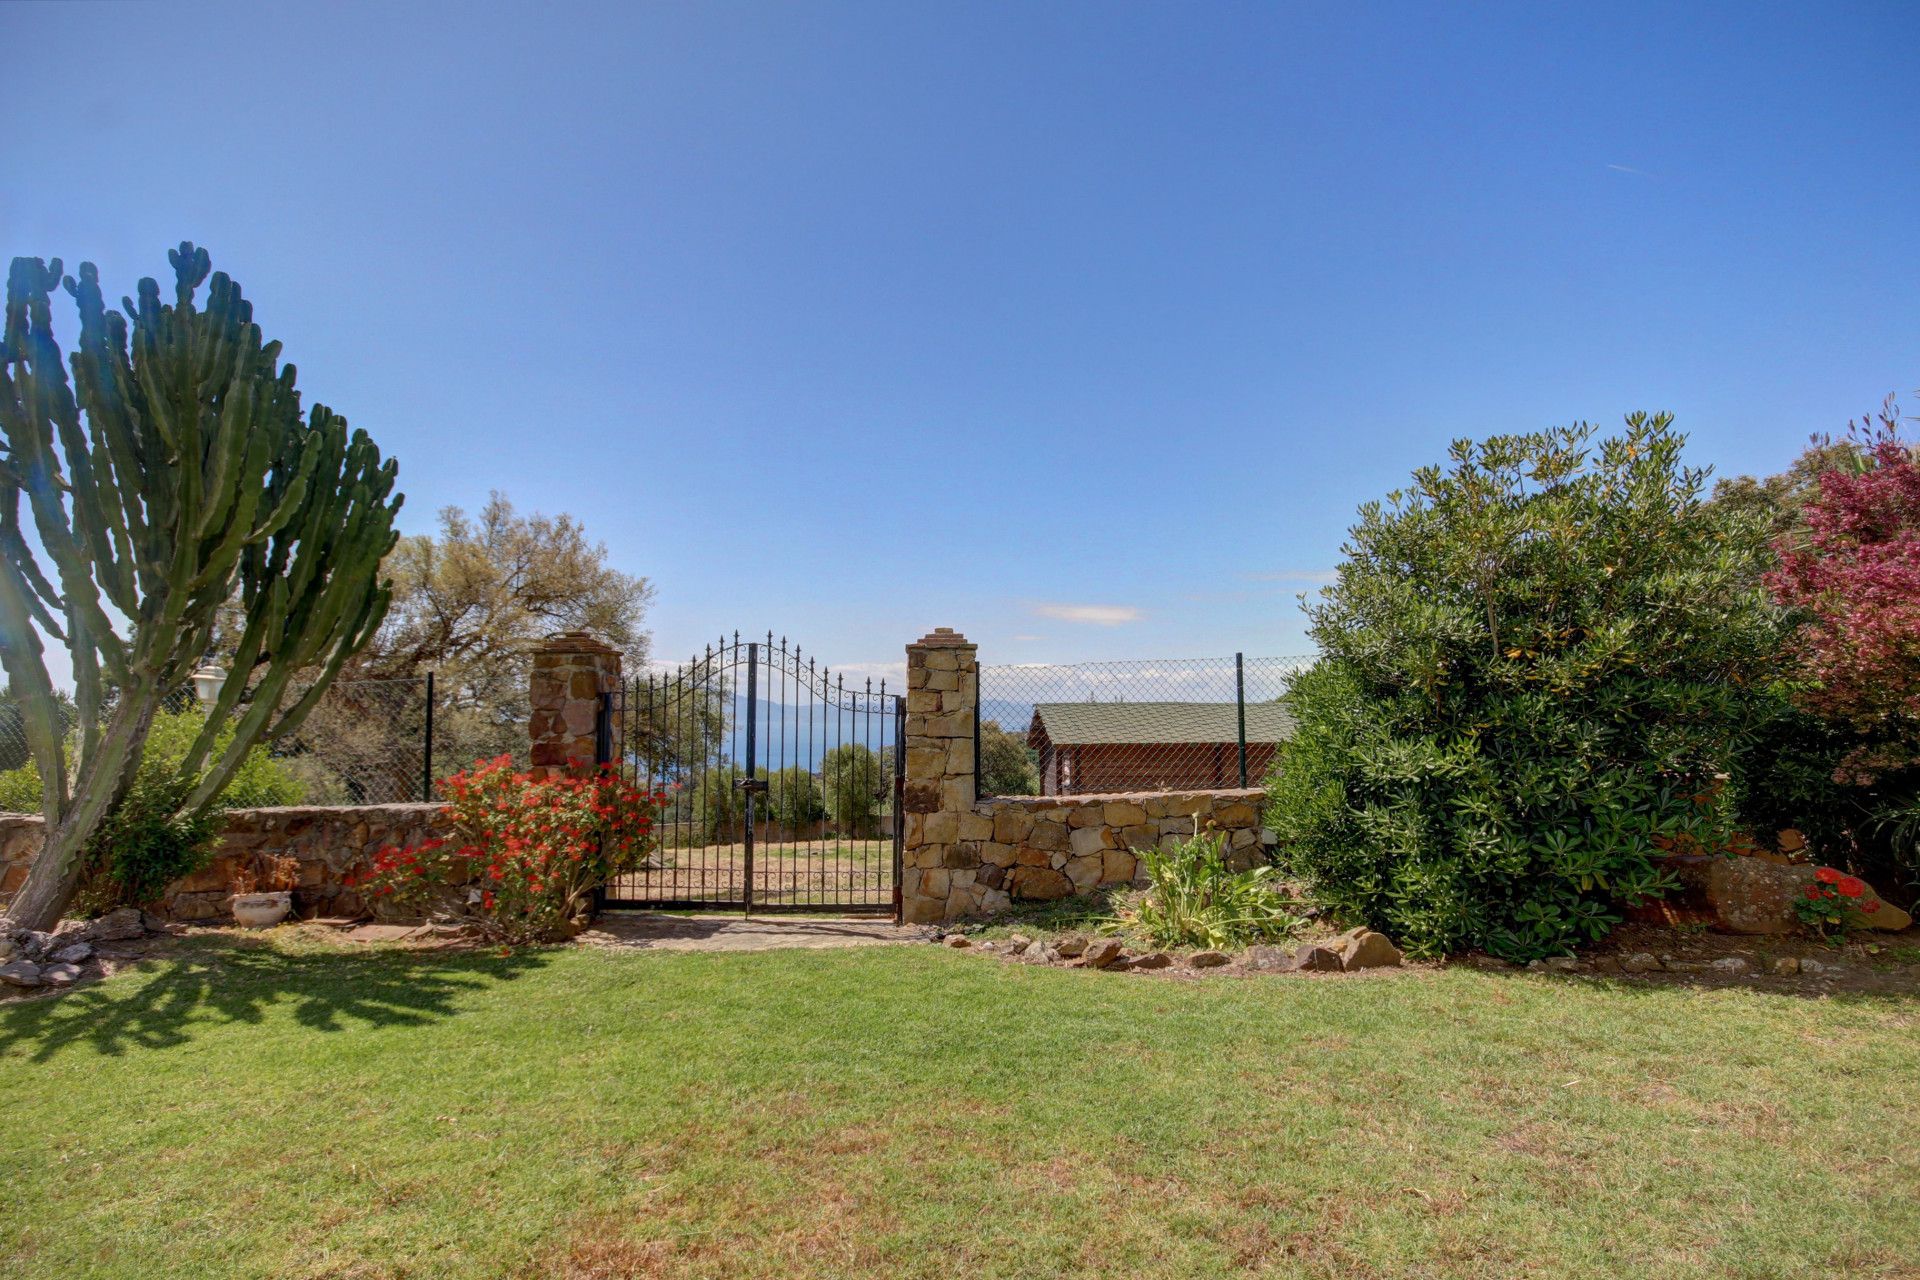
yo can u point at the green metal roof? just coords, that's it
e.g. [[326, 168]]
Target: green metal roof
[[1086, 723]]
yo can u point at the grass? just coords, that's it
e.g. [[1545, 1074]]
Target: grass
[[262, 1110]]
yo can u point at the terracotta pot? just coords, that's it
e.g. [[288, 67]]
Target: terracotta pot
[[261, 910]]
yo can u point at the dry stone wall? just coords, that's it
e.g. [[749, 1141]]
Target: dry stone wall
[[571, 672], [329, 842], [964, 855]]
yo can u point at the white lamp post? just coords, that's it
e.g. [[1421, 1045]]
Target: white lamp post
[[206, 685]]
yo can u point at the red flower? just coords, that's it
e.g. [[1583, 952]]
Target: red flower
[[1814, 894], [1851, 886], [1826, 875]]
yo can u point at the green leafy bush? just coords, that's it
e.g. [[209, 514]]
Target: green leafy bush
[[1196, 900], [1543, 667], [143, 844]]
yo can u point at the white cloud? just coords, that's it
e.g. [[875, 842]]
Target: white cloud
[[1627, 168], [1098, 615]]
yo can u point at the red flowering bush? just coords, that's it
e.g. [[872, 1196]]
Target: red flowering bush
[[530, 852], [1854, 576], [1833, 901]]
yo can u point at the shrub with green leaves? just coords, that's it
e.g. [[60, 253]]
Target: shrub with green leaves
[[1541, 669], [1196, 899], [144, 843]]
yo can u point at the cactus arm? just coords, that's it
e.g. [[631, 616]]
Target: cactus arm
[[193, 480]]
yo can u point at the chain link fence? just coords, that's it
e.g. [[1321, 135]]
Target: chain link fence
[[365, 742], [1172, 724]]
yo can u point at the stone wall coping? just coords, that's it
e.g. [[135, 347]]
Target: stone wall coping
[[573, 642], [1079, 800], [944, 638]]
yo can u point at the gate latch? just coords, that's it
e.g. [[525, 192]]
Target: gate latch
[[751, 784]]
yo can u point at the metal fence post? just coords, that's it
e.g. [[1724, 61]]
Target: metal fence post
[[426, 755], [1240, 708]]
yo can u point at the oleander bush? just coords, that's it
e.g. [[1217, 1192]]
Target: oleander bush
[[1542, 668]]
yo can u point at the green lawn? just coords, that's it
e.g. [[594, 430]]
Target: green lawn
[[253, 1111]]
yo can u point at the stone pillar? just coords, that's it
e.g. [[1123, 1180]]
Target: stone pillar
[[943, 689], [570, 672]]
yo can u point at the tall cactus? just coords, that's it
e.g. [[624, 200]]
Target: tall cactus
[[176, 475]]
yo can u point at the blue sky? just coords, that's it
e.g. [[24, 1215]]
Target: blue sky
[[1082, 328]]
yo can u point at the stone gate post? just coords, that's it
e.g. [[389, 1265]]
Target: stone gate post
[[570, 671], [943, 691]]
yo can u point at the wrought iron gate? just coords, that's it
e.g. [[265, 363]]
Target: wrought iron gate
[[783, 783]]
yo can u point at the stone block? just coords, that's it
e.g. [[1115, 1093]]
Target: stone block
[[1236, 814], [1049, 835], [1011, 824], [1084, 816], [926, 762], [1116, 866], [919, 910], [941, 827], [995, 854], [1121, 813], [1084, 873], [1090, 841], [1040, 884], [976, 826]]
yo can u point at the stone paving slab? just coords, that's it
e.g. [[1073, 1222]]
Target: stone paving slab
[[651, 932]]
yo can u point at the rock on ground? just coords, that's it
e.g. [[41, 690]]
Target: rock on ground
[[20, 973], [1365, 949]]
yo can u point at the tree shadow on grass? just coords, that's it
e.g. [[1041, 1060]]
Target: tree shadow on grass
[[214, 979]]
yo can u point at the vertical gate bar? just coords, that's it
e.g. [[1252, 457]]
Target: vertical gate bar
[[899, 796], [426, 759], [812, 762], [784, 806], [1240, 705], [870, 888], [866, 739], [840, 738], [753, 715]]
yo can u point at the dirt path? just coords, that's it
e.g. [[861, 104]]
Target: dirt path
[[644, 931]]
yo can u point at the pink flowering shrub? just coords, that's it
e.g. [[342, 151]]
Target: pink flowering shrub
[[529, 852], [1854, 575]]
